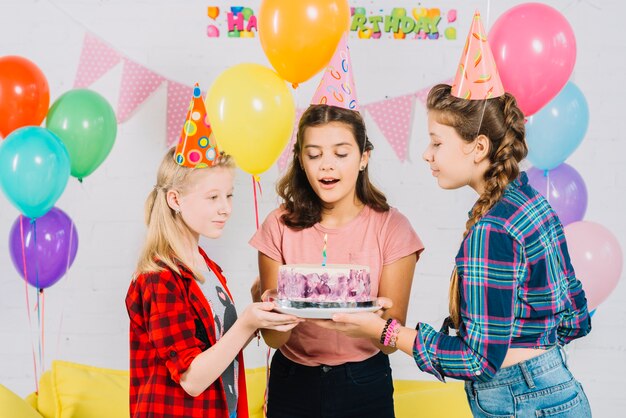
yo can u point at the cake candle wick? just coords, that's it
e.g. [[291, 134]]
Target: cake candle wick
[[324, 250]]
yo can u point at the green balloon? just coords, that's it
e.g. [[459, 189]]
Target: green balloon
[[85, 122]]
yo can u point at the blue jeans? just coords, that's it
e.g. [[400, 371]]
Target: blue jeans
[[351, 390], [540, 387]]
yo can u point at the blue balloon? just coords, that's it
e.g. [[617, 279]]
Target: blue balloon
[[34, 169], [557, 129]]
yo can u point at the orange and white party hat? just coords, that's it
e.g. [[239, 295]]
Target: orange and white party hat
[[477, 77], [337, 85], [196, 147]]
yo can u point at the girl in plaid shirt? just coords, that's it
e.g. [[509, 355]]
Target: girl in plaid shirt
[[185, 357], [514, 297]]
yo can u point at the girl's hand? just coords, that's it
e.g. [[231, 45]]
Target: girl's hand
[[260, 315], [255, 290], [358, 325], [384, 303]]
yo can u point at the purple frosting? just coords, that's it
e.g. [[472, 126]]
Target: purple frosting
[[324, 284]]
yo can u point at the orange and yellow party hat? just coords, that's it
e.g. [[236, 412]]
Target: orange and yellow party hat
[[196, 147]]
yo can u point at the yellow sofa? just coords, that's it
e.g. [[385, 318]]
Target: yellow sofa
[[71, 390]]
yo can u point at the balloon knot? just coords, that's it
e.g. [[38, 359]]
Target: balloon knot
[[294, 85]]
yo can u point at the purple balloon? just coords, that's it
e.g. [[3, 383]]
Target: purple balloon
[[49, 246], [565, 190]]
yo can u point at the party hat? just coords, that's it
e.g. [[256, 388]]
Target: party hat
[[337, 85], [477, 77], [196, 147]]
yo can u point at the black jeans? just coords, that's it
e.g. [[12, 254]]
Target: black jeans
[[351, 390]]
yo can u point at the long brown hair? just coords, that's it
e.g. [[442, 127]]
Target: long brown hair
[[164, 239], [502, 122], [303, 206]]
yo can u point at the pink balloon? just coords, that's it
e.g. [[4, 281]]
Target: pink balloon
[[597, 259], [535, 50]]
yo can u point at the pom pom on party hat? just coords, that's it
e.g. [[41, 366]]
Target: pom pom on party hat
[[196, 147], [337, 85], [477, 77]]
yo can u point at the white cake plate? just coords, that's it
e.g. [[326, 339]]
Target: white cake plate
[[320, 310], [322, 313]]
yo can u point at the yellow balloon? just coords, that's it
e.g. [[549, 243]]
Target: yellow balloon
[[252, 112], [299, 37]]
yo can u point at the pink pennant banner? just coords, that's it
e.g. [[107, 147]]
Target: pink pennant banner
[[393, 117], [177, 105], [422, 95], [96, 59], [284, 158], [138, 83]]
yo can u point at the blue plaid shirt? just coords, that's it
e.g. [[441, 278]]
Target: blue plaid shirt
[[517, 286]]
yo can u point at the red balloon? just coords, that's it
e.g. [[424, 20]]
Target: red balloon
[[535, 50], [24, 94]]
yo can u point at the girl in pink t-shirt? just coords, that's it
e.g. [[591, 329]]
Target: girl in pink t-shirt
[[327, 192]]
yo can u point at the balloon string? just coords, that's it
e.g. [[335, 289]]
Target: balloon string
[[546, 174], [267, 380], [39, 327], [256, 182], [43, 341], [67, 268], [256, 203], [30, 322]]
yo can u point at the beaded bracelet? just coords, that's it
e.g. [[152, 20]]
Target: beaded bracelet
[[390, 330], [394, 335], [382, 335]]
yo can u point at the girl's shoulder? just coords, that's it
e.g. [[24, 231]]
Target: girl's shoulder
[[275, 217], [158, 278], [391, 216]]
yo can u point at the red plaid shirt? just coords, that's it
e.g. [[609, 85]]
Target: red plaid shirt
[[170, 324]]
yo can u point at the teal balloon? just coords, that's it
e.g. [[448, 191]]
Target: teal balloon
[[86, 124], [553, 133], [34, 169]]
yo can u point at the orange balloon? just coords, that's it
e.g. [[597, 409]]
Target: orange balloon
[[299, 37], [24, 94]]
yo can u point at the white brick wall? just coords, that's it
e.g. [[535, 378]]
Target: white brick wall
[[85, 316]]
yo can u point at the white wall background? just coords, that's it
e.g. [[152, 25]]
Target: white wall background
[[85, 318]]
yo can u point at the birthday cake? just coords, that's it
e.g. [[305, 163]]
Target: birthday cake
[[321, 284]]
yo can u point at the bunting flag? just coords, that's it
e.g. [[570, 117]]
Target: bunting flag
[[96, 59], [285, 157], [138, 83], [422, 95], [393, 117], [177, 105]]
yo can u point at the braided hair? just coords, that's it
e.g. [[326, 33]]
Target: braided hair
[[502, 122]]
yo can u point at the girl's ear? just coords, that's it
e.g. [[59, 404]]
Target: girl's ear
[[173, 200], [482, 146], [365, 157]]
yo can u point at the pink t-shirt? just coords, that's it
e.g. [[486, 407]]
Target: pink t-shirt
[[374, 239]]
